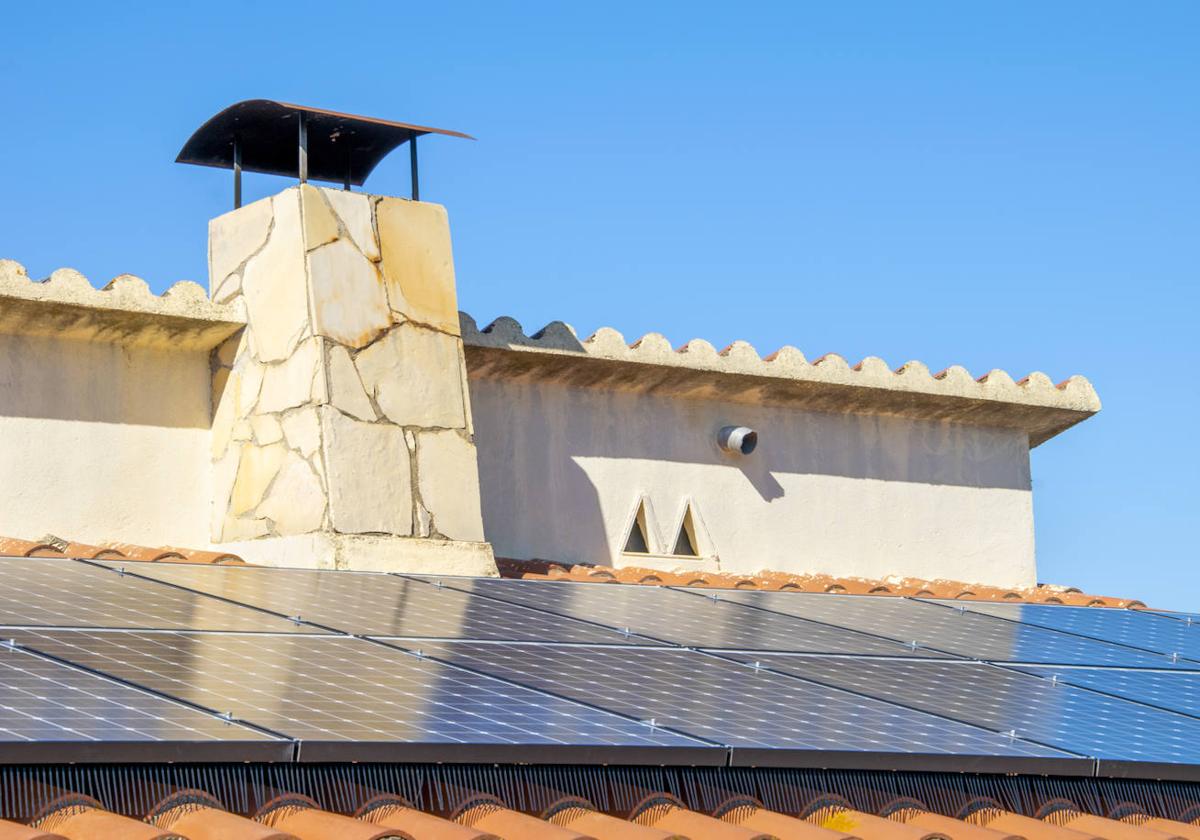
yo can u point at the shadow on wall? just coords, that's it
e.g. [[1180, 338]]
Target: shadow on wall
[[94, 382]]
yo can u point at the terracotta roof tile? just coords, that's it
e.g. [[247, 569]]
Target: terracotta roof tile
[[13, 547], [486, 813], [750, 813], [1027, 827], [81, 818], [199, 816], [847, 820], [1174, 827], [784, 582], [1104, 827], [16, 831], [668, 813], [304, 818], [580, 816], [659, 815], [395, 812]]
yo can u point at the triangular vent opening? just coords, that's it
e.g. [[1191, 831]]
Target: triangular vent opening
[[685, 543], [691, 540], [636, 542]]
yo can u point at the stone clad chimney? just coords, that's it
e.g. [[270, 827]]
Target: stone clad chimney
[[342, 429]]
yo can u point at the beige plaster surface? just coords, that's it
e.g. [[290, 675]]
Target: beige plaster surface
[[562, 470], [323, 550], [104, 442]]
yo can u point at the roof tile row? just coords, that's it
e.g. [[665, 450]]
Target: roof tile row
[[54, 547], [780, 581], [547, 570], [196, 815]]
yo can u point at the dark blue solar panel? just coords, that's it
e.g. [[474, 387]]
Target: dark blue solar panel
[[349, 699], [49, 592], [55, 709], [677, 617], [1178, 691], [1005, 700], [952, 628], [375, 604], [723, 701], [1173, 639]]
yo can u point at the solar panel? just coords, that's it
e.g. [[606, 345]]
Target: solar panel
[[767, 719], [1187, 618], [1004, 700], [370, 604], [52, 712], [678, 617], [1125, 627], [951, 628], [347, 699], [45, 592], [1178, 691]]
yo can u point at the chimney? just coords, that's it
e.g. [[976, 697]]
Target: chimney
[[342, 430]]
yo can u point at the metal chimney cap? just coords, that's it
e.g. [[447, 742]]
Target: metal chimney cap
[[341, 148]]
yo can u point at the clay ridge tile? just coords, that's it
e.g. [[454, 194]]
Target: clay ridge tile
[[784, 582], [12, 547]]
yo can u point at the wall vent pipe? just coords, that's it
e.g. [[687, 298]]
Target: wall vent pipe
[[739, 440]]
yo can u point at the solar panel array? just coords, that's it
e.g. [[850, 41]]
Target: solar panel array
[[243, 663]]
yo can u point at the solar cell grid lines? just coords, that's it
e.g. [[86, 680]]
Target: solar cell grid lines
[[1124, 627], [680, 618], [375, 604], [1005, 700], [349, 699], [947, 626], [766, 718], [45, 703], [1178, 691], [45, 592]]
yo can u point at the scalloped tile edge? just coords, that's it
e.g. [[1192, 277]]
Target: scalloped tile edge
[[125, 293], [740, 358]]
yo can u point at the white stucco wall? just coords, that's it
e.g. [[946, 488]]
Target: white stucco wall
[[562, 470], [104, 442]]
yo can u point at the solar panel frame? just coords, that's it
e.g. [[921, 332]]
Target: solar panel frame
[[1192, 619], [97, 719], [689, 699], [53, 592], [948, 627], [1129, 738], [347, 699], [673, 617], [378, 604], [1128, 628]]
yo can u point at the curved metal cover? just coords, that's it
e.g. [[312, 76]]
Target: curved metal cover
[[268, 132]]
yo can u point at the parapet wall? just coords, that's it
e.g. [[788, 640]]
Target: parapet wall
[[860, 471], [105, 407]]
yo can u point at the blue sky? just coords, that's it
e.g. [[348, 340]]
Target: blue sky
[[1011, 185]]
